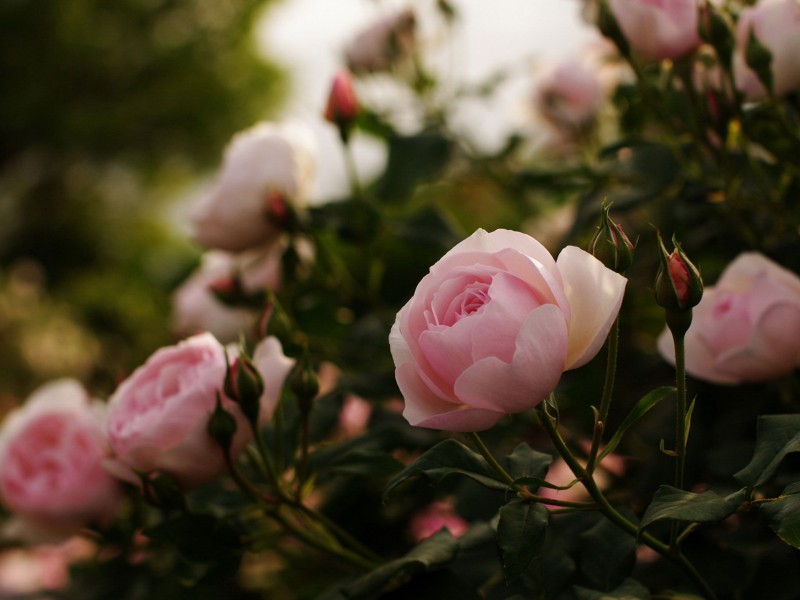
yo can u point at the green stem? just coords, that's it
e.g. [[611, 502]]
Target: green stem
[[339, 532], [680, 425], [352, 170], [605, 400], [613, 515]]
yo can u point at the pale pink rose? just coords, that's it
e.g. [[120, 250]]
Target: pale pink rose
[[747, 327], [658, 29], [158, 416], [569, 94], [494, 324], [274, 367], [382, 44], [354, 416], [51, 460], [195, 308], [434, 517], [263, 167], [776, 25]]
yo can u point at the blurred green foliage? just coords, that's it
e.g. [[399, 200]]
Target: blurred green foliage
[[108, 110]]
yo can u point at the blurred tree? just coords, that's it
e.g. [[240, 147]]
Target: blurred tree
[[106, 106]]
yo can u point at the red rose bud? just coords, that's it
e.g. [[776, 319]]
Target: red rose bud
[[679, 286], [610, 245], [342, 107]]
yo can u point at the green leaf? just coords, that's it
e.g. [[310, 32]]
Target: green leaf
[[642, 407], [527, 465], [629, 590], [367, 462], [608, 554], [449, 458], [776, 436], [783, 515], [431, 554], [412, 160], [679, 505], [521, 535]]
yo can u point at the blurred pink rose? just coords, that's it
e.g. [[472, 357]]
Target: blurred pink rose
[[273, 366], [259, 163], [561, 475], [494, 324], [776, 25], [382, 44], [747, 327], [354, 416], [658, 29], [434, 517], [158, 416], [569, 94], [51, 460], [195, 308], [44, 567]]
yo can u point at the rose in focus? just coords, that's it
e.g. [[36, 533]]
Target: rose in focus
[[265, 169], [658, 29], [746, 328], [495, 323], [51, 460]]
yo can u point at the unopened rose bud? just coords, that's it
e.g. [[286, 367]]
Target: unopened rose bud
[[304, 384], [274, 320], [610, 245], [244, 385], [342, 109], [679, 286], [221, 426]]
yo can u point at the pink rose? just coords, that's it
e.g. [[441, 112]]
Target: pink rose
[[434, 517], [747, 327], [569, 94], [158, 416], [195, 307], [658, 29], [494, 324], [776, 25], [264, 166], [382, 44], [51, 460]]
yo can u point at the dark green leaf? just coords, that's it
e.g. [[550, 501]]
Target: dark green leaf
[[449, 458], [432, 553], [641, 408], [412, 160], [527, 464], [366, 462], [629, 590], [776, 436], [608, 554], [783, 515], [679, 505], [521, 534]]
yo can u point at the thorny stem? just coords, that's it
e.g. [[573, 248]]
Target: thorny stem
[[605, 401], [613, 515]]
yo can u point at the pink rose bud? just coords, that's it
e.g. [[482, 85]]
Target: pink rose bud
[[258, 162], [610, 245], [383, 44], [679, 286], [158, 416], [767, 48], [51, 460], [495, 323], [342, 108], [746, 328], [658, 29]]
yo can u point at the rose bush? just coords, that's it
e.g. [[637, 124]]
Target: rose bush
[[495, 323], [51, 460], [776, 25], [264, 167], [747, 327], [658, 29], [158, 416]]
